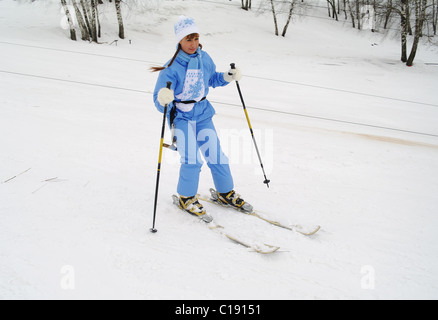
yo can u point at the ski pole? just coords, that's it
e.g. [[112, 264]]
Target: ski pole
[[233, 66], [153, 230]]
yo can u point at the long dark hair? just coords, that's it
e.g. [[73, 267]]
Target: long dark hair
[[190, 37]]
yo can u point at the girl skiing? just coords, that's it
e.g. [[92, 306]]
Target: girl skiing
[[191, 72]]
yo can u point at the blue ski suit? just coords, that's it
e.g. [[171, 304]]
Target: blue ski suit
[[194, 130]]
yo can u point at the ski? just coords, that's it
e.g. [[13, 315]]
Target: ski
[[296, 228], [262, 249]]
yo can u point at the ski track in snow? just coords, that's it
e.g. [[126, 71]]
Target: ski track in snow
[[80, 216]]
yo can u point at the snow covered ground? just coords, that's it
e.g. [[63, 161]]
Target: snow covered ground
[[80, 134]]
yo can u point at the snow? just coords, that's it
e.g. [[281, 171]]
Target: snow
[[80, 116]]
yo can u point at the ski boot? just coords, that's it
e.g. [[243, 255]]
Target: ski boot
[[231, 199], [192, 206]]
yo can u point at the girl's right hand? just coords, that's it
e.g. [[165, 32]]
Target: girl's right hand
[[165, 96]]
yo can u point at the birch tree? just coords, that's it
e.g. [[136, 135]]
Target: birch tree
[[70, 20], [289, 17], [348, 3], [286, 7], [93, 21], [331, 4], [420, 17], [82, 26], [403, 26], [120, 20], [246, 4], [275, 17], [87, 15], [434, 16]]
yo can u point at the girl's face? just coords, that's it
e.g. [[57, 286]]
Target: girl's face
[[190, 43]]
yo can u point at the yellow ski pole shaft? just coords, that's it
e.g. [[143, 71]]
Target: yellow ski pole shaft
[[163, 127], [267, 181]]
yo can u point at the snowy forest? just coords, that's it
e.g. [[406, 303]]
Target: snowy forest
[[416, 18]]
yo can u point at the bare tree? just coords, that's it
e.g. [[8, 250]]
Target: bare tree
[[403, 22], [87, 15], [434, 15], [120, 20], [388, 12], [93, 21], [246, 5], [287, 6], [403, 8], [420, 17], [331, 4], [289, 16], [358, 17], [275, 17], [70, 20], [85, 35], [348, 3]]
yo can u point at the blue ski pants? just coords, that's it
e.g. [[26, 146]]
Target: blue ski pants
[[194, 138]]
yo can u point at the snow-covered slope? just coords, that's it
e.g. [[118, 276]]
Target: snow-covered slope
[[79, 131]]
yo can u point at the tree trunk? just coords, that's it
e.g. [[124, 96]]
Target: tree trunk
[[70, 20], [434, 16], [351, 13], [86, 12], [345, 9], [388, 13], [93, 21], [120, 20], [292, 5], [358, 17], [408, 19], [331, 4], [99, 29], [246, 5], [84, 31], [275, 17], [420, 16], [404, 4]]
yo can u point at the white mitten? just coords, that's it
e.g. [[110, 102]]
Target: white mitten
[[233, 74], [165, 96]]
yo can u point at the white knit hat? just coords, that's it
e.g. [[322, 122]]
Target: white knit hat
[[184, 27]]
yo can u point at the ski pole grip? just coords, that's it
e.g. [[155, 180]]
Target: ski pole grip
[[233, 66], [168, 84]]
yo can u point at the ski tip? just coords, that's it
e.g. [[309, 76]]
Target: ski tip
[[269, 249], [300, 230]]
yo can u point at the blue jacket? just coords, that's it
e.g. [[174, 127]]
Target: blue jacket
[[176, 74]]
